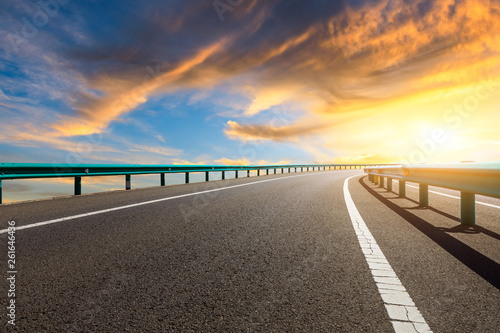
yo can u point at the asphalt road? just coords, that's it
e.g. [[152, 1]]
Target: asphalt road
[[274, 256]]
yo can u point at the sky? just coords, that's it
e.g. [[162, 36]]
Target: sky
[[248, 82]]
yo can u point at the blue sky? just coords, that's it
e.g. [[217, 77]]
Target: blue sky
[[57, 57], [249, 82]]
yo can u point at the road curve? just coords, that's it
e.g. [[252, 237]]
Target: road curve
[[259, 254]]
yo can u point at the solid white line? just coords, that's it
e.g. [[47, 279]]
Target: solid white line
[[455, 197], [405, 316], [38, 224]]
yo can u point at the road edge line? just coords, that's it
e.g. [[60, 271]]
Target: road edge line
[[404, 315]]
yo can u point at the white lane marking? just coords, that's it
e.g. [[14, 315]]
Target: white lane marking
[[455, 197], [405, 316], [38, 224]]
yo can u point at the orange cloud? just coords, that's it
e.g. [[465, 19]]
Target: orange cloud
[[245, 161], [369, 74], [269, 132], [121, 98]]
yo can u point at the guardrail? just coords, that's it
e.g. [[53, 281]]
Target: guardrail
[[469, 178], [41, 170]]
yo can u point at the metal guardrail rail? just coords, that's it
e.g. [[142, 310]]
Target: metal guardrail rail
[[42, 170], [469, 178]]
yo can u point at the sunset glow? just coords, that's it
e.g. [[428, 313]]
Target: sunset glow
[[268, 81]]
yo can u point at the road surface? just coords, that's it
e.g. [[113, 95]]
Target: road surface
[[277, 253]]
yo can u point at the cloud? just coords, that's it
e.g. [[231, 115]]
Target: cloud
[[160, 137], [267, 132], [228, 161], [2, 96], [166, 151], [97, 113], [245, 161], [350, 69], [374, 56]]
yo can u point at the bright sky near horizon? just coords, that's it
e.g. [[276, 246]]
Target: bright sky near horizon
[[249, 82]]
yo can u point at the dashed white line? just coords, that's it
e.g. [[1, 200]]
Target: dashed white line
[[38, 224], [405, 316]]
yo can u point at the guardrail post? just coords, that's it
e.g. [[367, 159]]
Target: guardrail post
[[389, 184], [223, 175], [128, 182], [207, 176], [402, 188], [423, 194], [162, 179], [283, 170], [235, 174], [381, 183], [78, 185], [187, 177], [248, 173], [267, 172], [274, 171], [301, 169], [467, 208], [258, 172]]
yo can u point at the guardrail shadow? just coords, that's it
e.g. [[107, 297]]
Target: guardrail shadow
[[485, 267], [464, 229], [437, 211]]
